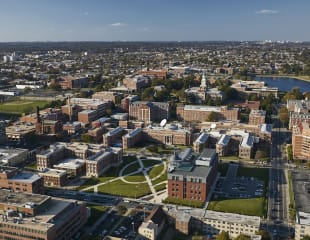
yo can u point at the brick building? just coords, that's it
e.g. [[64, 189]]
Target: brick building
[[194, 113], [106, 96], [54, 177], [257, 117], [192, 179], [246, 147], [15, 180], [87, 116], [112, 136], [149, 111], [64, 156], [127, 101], [159, 74], [201, 142], [301, 141], [170, 135], [98, 163], [136, 82], [71, 82], [33, 216], [132, 138]]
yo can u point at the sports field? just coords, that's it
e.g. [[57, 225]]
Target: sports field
[[20, 107]]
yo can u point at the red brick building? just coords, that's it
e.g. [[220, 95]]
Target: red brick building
[[149, 111], [71, 82], [13, 179], [199, 113], [192, 180]]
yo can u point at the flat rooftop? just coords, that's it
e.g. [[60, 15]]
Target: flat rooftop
[[71, 163], [20, 199], [25, 177], [303, 218]]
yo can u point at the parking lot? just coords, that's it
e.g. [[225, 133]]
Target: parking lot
[[301, 186], [124, 227], [238, 187]]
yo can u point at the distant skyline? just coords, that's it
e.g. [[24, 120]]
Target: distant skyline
[[154, 20]]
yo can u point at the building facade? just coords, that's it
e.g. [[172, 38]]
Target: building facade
[[199, 113], [192, 180], [149, 111]]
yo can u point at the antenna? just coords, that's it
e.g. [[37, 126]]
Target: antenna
[[163, 122]]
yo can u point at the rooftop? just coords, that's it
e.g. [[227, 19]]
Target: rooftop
[[224, 140], [71, 163], [25, 177], [303, 218]]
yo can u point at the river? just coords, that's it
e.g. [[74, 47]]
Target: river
[[285, 84]]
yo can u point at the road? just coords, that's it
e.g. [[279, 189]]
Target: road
[[277, 221]]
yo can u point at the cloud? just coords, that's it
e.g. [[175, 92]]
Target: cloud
[[267, 11], [85, 13], [118, 24]]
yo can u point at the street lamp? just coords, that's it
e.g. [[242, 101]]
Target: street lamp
[[133, 227]]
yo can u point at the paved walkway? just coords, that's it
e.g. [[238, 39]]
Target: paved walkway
[[155, 196]]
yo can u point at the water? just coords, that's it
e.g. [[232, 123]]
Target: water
[[285, 84]]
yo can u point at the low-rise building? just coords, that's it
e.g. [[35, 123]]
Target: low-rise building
[[149, 111], [200, 113], [33, 216], [257, 117], [201, 142], [112, 136], [73, 166], [212, 223], [75, 157], [246, 147], [302, 225], [20, 131], [13, 156], [193, 177], [87, 116], [72, 128], [104, 96], [301, 141], [72, 82], [15, 180], [222, 145], [171, 134], [153, 225], [54, 177], [99, 163], [132, 138]]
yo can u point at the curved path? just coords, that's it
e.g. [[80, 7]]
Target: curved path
[[142, 169]]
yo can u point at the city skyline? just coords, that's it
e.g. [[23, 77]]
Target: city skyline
[[138, 20]]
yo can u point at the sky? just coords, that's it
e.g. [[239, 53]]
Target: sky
[[154, 20]]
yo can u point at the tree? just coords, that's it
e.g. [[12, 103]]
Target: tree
[[86, 138], [121, 209], [306, 237], [242, 237], [213, 117], [223, 236], [283, 115], [264, 234]]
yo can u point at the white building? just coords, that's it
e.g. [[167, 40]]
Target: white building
[[302, 226]]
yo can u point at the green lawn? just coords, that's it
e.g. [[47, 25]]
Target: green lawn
[[121, 188], [96, 212], [108, 175], [132, 168], [250, 206], [32, 165], [156, 171], [160, 187], [149, 163], [138, 177], [292, 207], [183, 202], [19, 107]]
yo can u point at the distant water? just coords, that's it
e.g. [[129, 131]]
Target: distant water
[[285, 84]]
